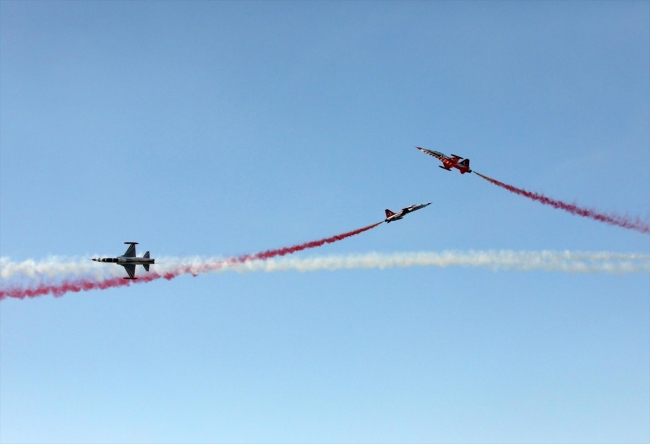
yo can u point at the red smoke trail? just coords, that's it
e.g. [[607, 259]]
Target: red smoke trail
[[87, 284], [290, 250], [612, 219]]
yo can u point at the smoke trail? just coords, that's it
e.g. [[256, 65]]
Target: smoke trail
[[567, 262], [612, 219], [54, 266], [169, 268], [498, 259], [290, 250], [87, 283]]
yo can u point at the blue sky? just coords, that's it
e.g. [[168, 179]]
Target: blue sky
[[216, 128]]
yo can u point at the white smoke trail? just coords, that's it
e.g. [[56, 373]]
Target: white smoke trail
[[558, 261], [53, 267], [566, 262]]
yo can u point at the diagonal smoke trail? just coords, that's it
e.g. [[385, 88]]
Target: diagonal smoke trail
[[612, 219], [169, 268], [290, 250], [96, 282]]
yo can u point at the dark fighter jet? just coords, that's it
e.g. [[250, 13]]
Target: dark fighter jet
[[129, 260]]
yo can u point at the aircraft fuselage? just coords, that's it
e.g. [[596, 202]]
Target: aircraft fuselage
[[393, 218], [127, 260]]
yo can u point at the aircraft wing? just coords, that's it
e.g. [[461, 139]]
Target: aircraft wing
[[435, 154], [130, 269], [130, 252]]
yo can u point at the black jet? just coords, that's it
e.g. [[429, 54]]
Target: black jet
[[129, 260]]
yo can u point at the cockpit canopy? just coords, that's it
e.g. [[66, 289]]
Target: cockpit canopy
[[109, 259]]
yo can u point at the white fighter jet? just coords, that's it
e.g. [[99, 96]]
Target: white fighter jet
[[129, 260], [392, 217]]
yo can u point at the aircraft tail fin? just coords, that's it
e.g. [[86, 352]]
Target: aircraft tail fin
[[389, 213], [146, 255], [464, 163], [146, 267]]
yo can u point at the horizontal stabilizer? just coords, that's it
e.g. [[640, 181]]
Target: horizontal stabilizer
[[146, 255], [146, 267]]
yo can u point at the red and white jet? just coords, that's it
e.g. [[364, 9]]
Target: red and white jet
[[449, 162], [392, 217]]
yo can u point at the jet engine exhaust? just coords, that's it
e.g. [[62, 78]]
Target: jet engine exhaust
[[612, 219], [88, 283]]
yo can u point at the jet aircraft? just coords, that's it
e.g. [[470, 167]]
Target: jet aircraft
[[392, 217], [129, 260], [449, 162]]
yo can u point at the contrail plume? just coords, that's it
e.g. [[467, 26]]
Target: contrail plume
[[169, 268], [51, 268], [612, 219], [566, 262], [97, 282]]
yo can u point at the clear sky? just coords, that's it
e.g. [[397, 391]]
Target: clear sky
[[219, 128]]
